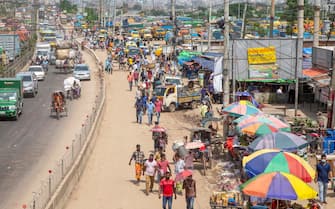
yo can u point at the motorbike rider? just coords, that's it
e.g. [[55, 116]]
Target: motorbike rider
[[45, 65], [76, 88]]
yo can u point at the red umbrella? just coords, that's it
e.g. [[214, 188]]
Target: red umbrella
[[183, 175], [158, 129], [194, 145]]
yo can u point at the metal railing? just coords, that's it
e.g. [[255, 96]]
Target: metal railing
[[67, 163], [18, 64]]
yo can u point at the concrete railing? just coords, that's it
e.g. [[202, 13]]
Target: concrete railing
[[56, 189]]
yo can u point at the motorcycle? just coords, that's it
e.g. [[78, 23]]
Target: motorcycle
[[45, 66]]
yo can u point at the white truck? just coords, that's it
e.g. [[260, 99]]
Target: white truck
[[44, 49], [64, 54]]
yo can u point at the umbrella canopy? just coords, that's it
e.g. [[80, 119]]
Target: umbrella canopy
[[270, 160], [263, 118], [241, 108], [278, 185], [183, 175], [258, 128], [158, 129], [194, 145], [278, 140]]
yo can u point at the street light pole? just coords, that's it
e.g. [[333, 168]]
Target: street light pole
[[299, 52]]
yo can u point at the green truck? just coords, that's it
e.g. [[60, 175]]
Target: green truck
[[11, 97]]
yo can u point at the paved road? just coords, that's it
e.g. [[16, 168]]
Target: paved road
[[31, 145]]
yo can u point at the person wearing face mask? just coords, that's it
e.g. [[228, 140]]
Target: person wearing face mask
[[323, 175]]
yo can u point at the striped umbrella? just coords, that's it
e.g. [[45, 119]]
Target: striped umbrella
[[278, 185], [258, 128], [241, 108], [273, 121], [270, 160], [279, 140]]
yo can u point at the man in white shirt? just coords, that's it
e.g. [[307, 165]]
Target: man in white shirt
[[150, 167]]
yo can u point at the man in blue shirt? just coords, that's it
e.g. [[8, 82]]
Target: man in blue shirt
[[323, 175], [150, 111]]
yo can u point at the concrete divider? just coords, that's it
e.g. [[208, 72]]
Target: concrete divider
[[68, 183]]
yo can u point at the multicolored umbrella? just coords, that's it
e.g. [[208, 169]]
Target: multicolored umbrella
[[241, 108], [278, 185], [278, 140], [258, 128], [270, 160], [273, 121]]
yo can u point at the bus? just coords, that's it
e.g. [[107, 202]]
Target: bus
[[49, 36]]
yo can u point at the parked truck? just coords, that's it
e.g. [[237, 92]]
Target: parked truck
[[174, 97], [11, 97]]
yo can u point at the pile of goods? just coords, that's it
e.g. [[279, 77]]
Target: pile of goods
[[228, 177], [224, 199]]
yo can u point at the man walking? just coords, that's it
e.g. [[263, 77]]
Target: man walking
[[190, 191], [138, 157], [323, 175], [167, 188], [139, 111], [150, 167], [150, 111], [158, 109], [130, 79]]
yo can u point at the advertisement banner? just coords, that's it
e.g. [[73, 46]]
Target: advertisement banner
[[263, 71], [264, 55]]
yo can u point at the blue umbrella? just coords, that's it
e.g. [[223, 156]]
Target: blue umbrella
[[278, 140]]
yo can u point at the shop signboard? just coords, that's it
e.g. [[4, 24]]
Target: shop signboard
[[263, 55], [263, 71]]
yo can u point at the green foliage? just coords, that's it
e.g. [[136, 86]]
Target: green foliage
[[92, 14], [156, 13], [290, 14], [66, 5]]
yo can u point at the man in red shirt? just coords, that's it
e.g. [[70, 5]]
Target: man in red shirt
[[167, 188], [158, 108]]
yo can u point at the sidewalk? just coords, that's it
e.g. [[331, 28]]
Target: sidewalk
[[108, 181]]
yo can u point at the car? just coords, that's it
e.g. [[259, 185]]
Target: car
[[30, 83], [38, 71], [82, 72]]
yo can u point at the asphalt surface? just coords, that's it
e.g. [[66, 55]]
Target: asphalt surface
[[27, 143]]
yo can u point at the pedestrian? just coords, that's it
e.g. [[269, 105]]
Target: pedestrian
[[150, 111], [138, 157], [139, 111], [323, 175], [179, 167], [163, 166], [190, 191], [158, 109], [167, 188], [189, 158], [136, 76], [150, 167], [130, 79]]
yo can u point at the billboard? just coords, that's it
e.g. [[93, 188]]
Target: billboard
[[262, 55], [265, 71]]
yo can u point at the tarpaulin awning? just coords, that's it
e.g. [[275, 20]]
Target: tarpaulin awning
[[281, 81], [205, 63], [314, 72]]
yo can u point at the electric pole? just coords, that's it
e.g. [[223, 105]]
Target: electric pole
[[299, 52], [174, 22], [244, 19], [317, 6], [209, 25], [114, 16], [225, 73], [272, 17]]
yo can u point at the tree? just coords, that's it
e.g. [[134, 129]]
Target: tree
[[92, 14], [290, 14], [66, 5]]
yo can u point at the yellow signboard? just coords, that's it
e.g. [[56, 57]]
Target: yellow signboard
[[264, 55]]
